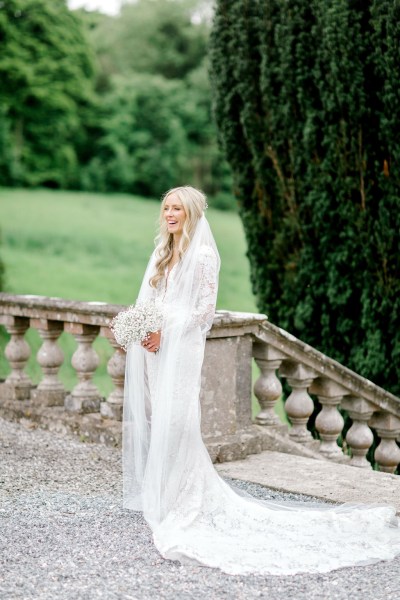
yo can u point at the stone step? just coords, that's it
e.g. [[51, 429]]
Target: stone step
[[322, 479]]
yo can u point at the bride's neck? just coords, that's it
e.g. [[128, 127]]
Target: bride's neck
[[175, 253], [177, 239]]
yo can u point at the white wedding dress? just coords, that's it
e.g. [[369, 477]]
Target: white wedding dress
[[196, 517]]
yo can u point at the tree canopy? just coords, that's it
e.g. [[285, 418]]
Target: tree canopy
[[46, 70], [152, 36], [155, 128], [94, 102]]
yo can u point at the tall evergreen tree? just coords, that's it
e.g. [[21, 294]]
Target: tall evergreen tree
[[307, 102], [46, 75]]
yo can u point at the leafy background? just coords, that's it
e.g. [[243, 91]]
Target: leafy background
[[99, 103]]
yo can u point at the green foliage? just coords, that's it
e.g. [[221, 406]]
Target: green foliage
[[144, 144], [155, 133], [150, 36], [307, 98], [107, 103], [46, 73], [155, 125]]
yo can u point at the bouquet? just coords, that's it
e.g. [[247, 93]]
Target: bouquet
[[134, 324]]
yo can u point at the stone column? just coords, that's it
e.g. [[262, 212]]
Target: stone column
[[299, 406], [112, 407], [359, 437], [329, 422], [387, 453], [267, 388], [85, 397], [50, 391], [17, 385]]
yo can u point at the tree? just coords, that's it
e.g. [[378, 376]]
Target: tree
[[47, 73], [307, 98], [155, 125], [157, 37], [144, 145], [67, 80]]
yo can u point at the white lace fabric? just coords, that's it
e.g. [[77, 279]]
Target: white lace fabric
[[196, 517]]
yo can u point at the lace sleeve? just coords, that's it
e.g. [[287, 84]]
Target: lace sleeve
[[207, 281]]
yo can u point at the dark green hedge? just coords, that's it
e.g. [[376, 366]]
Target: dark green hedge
[[307, 102]]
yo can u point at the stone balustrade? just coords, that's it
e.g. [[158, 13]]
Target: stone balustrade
[[228, 428], [307, 371], [227, 425]]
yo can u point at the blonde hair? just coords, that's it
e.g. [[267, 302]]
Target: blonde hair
[[194, 202]]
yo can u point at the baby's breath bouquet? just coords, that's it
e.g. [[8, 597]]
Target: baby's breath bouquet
[[135, 323]]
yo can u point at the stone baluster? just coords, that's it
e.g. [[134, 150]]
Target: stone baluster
[[267, 388], [387, 453], [329, 422], [50, 391], [359, 437], [17, 385], [112, 407], [85, 397], [299, 406]]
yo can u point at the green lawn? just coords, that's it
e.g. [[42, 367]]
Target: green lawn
[[85, 246], [95, 247]]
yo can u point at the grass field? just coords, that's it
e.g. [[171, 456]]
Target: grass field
[[95, 247], [89, 247]]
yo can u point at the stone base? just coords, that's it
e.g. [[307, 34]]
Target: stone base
[[77, 404], [277, 439], [96, 427], [234, 447], [88, 427], [15, 392], [48, 397], [103, 428], [111, 411]]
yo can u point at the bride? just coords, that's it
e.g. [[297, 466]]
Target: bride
[[197, 517]]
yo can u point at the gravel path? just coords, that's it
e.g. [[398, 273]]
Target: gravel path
[[63, 534]]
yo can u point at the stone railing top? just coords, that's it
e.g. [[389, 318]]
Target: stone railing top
[[299, 352], [100, 313], [58, 309], [226, 322]]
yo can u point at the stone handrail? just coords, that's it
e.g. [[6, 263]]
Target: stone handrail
[[227, 425], [308, 371]]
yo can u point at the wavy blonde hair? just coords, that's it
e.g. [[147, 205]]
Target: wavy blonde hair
[[194, 202]]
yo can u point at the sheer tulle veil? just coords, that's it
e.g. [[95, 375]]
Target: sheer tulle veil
[[150, 437]]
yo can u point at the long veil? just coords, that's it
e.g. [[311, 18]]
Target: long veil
[[195, 515], [152, 442]]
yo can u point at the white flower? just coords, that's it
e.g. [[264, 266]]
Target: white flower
[[134, 324]]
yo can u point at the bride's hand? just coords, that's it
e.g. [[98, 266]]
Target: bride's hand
[[152, 344]]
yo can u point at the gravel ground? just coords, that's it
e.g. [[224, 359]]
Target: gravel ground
[[63, 534]]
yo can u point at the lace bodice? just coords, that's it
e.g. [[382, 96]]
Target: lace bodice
[[205, 280]]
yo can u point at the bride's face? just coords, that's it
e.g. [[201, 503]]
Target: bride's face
[[174, 214]]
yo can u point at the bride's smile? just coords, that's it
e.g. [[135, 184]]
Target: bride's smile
[[174, 214]]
